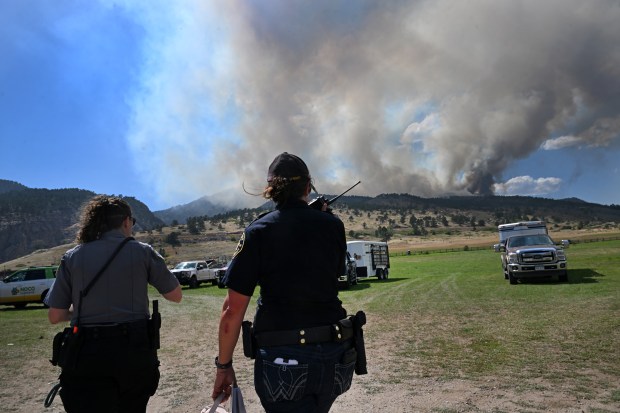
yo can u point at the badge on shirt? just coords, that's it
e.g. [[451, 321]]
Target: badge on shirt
[[239, 245]]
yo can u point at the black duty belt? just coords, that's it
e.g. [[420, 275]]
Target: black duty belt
[[314, 335], [112, 330]]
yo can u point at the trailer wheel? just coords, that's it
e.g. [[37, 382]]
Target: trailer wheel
[[380, 275], [512, 278], [386, 273]]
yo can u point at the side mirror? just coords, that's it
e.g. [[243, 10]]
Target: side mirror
[[498, 247], [565, 243]]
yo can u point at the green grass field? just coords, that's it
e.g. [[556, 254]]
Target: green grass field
[[444, 315], [453, 315]]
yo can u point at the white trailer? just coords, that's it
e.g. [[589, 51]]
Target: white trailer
[[371, 257]]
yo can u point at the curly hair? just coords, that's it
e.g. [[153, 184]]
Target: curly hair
[[282, 189], [101, 214]]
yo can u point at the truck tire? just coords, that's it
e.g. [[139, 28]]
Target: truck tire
[[19, 305], [193, 282], [563, 277], [214, 281], [511, 278]]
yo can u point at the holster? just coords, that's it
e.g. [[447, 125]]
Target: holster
[[358, 320], [154, 325], [249, 343], [66, 348], [57, 345]]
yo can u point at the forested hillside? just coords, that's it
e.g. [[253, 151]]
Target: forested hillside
[[6, 186], [32, 219]]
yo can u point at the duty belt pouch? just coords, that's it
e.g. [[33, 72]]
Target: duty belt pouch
[[358, 320], [249, 344], [66, 348], [59, 346], [154, 325]]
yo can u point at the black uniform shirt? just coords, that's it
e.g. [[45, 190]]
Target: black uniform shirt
[[120, 294], [295, 254]]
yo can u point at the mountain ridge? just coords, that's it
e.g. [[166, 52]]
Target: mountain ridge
[[32, 219]]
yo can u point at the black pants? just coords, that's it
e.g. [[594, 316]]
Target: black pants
[[112, 374]]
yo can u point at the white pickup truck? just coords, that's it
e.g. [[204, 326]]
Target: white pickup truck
[[193, 273]]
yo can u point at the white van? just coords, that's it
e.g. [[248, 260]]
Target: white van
[[371, 257]]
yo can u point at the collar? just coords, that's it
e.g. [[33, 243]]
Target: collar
[[293, 203], [113, 234]]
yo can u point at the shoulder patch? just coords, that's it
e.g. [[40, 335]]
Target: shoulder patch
[[239, 245]]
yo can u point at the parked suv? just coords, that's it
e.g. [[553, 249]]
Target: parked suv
[[29, 285]]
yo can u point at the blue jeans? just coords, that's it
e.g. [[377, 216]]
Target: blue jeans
[[303, 378]]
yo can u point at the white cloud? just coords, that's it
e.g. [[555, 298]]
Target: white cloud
[[561, 142], [526, 185]]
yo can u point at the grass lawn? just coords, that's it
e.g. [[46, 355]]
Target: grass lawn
[[454, 315], [444, 315]]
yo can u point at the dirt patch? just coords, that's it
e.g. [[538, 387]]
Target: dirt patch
[[384, 391], [391, 385]]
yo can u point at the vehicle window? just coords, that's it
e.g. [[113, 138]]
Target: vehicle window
[[516, 242], [35, 275], [185, 265], [543, 240], [18, 276]]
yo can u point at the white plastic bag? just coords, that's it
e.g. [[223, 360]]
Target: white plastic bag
[[237, 405], [236, 402], [215, 408]]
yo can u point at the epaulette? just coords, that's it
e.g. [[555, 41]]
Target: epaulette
[[262, 214]]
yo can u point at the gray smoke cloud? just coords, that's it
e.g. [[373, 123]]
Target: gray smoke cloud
[[423, 97]]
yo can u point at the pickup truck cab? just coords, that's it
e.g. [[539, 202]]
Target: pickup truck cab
[[29, 285], [193, 273]]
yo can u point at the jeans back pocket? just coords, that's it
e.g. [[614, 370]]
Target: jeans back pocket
[[344, 372], [282, 382]]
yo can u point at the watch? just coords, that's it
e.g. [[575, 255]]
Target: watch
[[222, 366]]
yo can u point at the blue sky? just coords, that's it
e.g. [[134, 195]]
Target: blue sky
[[171, 101]]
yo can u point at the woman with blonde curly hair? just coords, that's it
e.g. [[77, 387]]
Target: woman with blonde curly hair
[[101, 289]]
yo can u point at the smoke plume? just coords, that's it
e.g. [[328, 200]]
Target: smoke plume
[[422, 97]]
